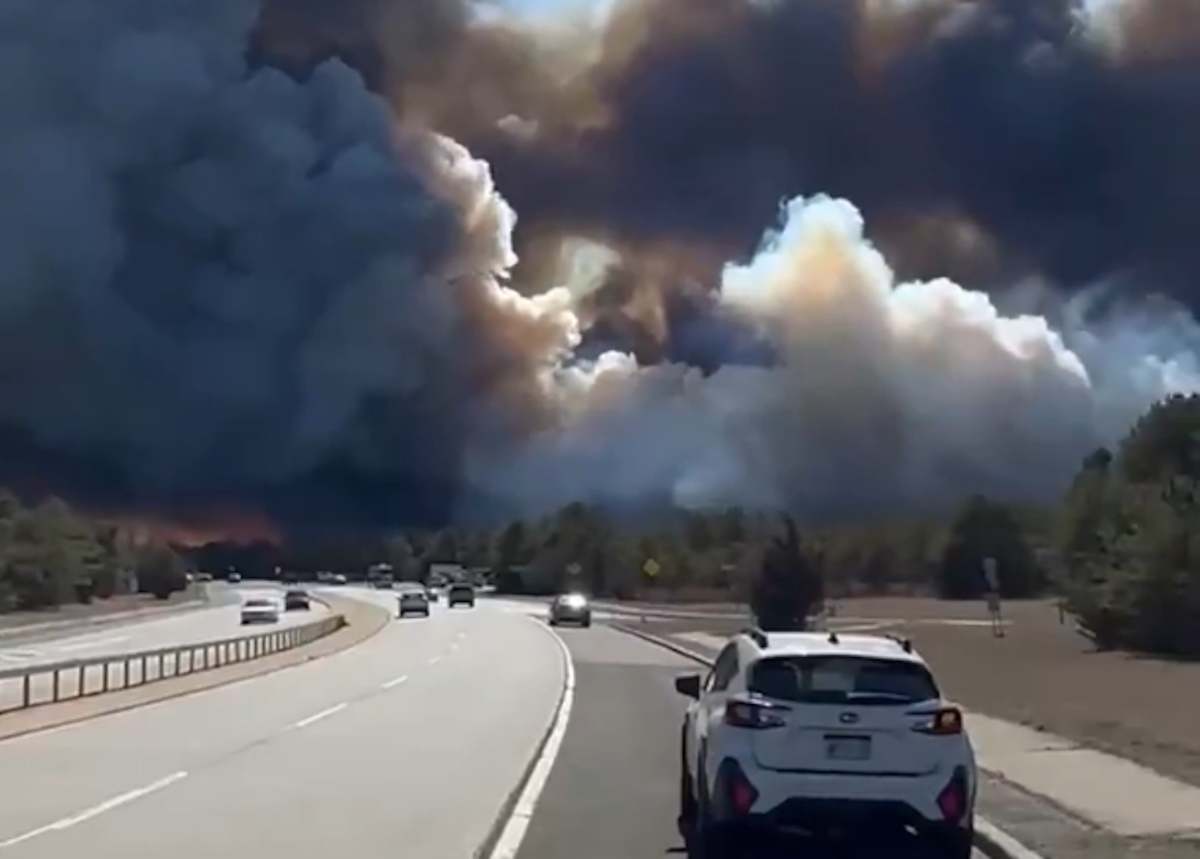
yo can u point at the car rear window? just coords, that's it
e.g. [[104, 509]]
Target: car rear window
[[257, 603], [461, 588], [842, 680]]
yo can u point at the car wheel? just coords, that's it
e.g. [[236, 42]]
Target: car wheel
[[585, 624]]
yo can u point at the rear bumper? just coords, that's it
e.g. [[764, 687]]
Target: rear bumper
[[571, 616], [846, 808]]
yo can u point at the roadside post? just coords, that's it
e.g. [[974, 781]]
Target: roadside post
[[991, 580]]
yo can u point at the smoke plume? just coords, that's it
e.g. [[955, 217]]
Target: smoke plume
[[384, 261]]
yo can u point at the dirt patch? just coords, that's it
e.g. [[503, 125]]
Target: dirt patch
[[1041, 674], [362, 621]]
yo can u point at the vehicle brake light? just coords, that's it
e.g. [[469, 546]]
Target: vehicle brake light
[[755, 715], [947, 721]]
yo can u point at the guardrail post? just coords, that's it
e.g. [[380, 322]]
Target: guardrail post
[[57, 681]]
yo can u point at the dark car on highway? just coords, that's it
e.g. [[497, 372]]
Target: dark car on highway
[[413, 601], [460, 593], [296, 600], [571, 608]]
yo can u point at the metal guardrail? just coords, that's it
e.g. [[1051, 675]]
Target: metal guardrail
[[50, 683]]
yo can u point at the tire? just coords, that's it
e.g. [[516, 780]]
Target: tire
[[587, 623]]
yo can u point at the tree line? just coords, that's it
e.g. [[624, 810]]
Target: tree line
[[51, 555], [1118, 549]]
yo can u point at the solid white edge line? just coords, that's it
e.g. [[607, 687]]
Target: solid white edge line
[[514, 830], [95, 810], [324, 714], [994, 841], [991, 840], [394, 682]]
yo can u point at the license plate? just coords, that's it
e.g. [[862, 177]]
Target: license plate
[[847, 748]]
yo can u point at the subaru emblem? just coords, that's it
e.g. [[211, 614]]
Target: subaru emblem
[[848, 718]]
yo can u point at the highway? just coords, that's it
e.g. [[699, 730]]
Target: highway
[[204, 624], [407, 744]]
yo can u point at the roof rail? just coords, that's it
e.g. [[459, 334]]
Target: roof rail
[[756, 635], [905, 643]]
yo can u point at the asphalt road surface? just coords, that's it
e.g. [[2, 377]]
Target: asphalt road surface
[[405, 745], [614, 789], [147, 634]]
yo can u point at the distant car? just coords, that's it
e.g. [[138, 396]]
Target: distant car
[[260, 610], [571, 608], [432, 593], [338, 579], [460, 592], [290, 577], [414, 601], [824, 736], [384, 583], [296, 600], [233, 578]]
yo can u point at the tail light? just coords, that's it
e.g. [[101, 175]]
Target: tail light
[[757, 715], [738, 790], [952, 801], [947, 721]]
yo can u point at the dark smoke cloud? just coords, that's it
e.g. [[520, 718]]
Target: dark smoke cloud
[[220, 287], [235, 277]]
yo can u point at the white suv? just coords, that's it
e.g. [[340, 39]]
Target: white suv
[[826, 735]]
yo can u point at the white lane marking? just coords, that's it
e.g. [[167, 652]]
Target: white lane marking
[[95, 810], [518, 822], [324, 714], [454, 647], [394, 682], [435, 660], [19, 655], [88, 645]]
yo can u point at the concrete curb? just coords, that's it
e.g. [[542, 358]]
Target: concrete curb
[[496, 830], [990, 839], [48, 717]]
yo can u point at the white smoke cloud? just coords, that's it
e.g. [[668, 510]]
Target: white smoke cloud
[[885, 395]]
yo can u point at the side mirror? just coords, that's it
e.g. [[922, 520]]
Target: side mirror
[[688, 685]]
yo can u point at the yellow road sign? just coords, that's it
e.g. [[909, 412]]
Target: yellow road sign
[[651, 567]]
